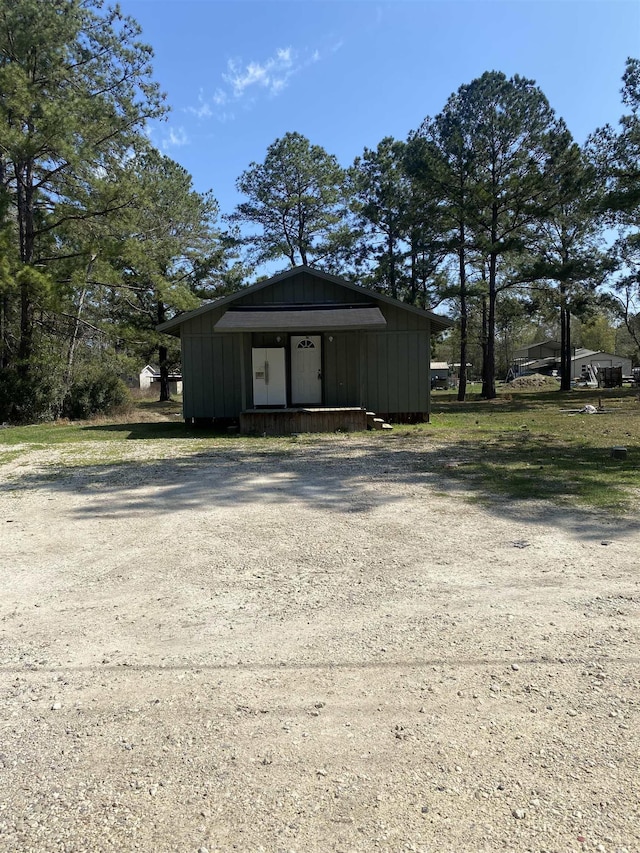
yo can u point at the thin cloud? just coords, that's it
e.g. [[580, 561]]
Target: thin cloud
[[271, 75], [177, 138], [220, 97], [203, 110], [244, 82]]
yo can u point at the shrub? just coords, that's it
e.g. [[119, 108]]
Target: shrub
[[28, 399], [99, 392]]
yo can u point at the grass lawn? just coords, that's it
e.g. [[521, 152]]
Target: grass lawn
[[535, 445], [524, 445]]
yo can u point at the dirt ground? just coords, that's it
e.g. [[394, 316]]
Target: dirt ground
[[326, 647]]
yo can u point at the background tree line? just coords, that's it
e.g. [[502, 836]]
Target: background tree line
[[488, 210]]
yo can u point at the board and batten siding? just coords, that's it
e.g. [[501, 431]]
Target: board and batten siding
[[384, 370], [304, 289], [212, 365], [396, 371], [395, 363], [340, 369]]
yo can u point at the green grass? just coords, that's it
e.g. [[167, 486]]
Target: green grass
[[8, 455], [528, 446], [524, 445], [130, 426]]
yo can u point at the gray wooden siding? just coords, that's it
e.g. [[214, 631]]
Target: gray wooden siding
[[269, 339], [386, 371], [304, 288], [395, 371], [211, 365], [340, 369], [399, 320]]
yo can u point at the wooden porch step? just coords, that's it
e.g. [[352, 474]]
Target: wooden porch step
[[374, 422]]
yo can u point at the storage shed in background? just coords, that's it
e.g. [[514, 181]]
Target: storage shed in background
[[305, 340]]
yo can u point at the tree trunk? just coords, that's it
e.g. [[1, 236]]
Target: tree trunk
[[462, 375], [483, 342], [24, 192], [565, 341], [489, 361], [165, 394], [4, 332], [163, 359], [76, 325], [4, 301], [414, 272], [392, 266]]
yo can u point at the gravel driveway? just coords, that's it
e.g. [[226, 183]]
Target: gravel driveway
[[319, 645]]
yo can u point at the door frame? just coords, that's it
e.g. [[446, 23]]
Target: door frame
[[290, 366]]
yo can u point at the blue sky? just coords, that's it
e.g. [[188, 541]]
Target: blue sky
[[238, 75]]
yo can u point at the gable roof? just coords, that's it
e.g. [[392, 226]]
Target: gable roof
[[548, 342], [438, 322]]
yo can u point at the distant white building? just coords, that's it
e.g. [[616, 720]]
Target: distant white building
[[544, 357], [150, 375], [584, 358]]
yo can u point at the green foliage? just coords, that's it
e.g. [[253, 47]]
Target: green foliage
[[598, 334], [296, 198], [381, 201], [35, 283], [76, 93], [29, 397], [617, 156], [98, 392], [487, 154]]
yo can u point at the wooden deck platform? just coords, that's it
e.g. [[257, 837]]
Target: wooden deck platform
[[288, 421]]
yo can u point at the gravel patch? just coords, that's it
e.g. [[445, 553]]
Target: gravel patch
[[322, 647]]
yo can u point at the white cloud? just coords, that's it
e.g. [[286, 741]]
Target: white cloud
[[176, 139], [272, 74], [220, 97], [244, 82], [203, 110]]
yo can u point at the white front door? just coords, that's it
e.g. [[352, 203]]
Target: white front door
[[269, 376], [306, 370]]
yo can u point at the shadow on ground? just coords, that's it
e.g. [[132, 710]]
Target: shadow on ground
[[517, 466], [526, 479], [142, 431]]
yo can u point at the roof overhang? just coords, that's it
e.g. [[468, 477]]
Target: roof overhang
[[172, 327], [300, 319]]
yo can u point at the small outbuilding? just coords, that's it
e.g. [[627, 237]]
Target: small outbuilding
[[150, 376], [440, 375], [599, 362], [305, 347], [544, 357]]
